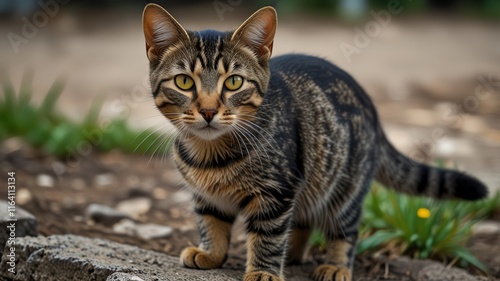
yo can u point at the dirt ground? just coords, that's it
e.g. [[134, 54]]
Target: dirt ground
[[109, 179]]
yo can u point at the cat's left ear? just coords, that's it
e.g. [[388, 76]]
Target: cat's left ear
[[257, 32]]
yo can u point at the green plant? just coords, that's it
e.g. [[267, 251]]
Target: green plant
[[421, 227], [44, 127], [317, 240]]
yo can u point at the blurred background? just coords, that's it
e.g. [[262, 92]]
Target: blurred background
[[79, 127], [431, 66]]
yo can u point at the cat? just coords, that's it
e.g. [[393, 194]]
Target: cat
[[290, 143]]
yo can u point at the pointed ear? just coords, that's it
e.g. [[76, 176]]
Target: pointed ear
[[257, 32], [161, 30]]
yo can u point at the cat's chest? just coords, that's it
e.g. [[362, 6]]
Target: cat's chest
[[222, 187], [208, 179], [220, 181]]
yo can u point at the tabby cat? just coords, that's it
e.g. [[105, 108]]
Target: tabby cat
[[290, 143]]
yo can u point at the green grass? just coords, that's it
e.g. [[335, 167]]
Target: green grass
[[391, 224], [45, 128]]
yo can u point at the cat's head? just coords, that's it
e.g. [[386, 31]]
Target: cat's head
[[208, 83]]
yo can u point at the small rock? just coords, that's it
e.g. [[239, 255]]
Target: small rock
[[182, 196], [438, 272], [120, 276], [146, 231], [23, 196], [486, 227], [78, 218], [135, 206], [44, 180], [125, 226], [428, 270], [446, 147], [160, 193], [12, 144], [153, 231], [104, 214], [104, 179], [188, 227], [24, 226], [175, 213], [453, 147], [137, 192]]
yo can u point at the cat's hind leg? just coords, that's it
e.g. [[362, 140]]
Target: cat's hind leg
[[338, 265], [297, 243], [341, 243]]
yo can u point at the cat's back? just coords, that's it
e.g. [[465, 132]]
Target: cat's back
[[318, 82], [306, 67]]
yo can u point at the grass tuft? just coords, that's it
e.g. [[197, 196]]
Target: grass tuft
[[420, 227], [44, 127]]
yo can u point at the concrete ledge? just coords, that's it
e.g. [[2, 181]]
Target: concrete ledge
[[71, 257]]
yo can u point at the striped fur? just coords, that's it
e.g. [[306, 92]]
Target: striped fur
[[295, 148]]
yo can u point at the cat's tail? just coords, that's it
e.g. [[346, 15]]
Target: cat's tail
[[402, 174]]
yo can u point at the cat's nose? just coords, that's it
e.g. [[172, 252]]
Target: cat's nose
[[208, 114]]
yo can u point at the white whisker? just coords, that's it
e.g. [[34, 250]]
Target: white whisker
[[150, 134], [258, 129], [241, 142], [254, 139]]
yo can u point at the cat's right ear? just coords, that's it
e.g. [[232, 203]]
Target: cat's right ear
[[258, 31], [161, 30]]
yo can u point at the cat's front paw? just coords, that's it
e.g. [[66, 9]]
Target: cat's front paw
[[326, 272], [193, 257], [261, 276]]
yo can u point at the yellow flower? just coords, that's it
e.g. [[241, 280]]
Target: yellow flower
[[423, 213]]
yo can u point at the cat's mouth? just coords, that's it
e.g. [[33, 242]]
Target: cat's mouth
[[209, 132], [209, 128]]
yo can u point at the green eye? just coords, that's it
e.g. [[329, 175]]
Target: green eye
[[184, 82], [234, 82]]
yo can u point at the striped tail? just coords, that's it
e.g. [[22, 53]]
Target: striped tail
[[402, 174]]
